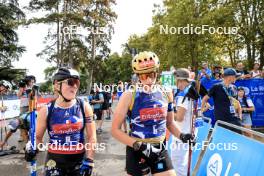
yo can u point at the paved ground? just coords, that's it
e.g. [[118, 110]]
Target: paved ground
[[110, 162]]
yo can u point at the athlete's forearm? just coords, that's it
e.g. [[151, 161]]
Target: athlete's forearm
[[90, 147], [39, 140], [123, 137], [173, 129], [204, 101]]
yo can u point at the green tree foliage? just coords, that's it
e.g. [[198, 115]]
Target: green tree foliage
[[114, 68], [181, 49], [46, 87], [80, 31], [11, 74], [10, 15], [74, 49]]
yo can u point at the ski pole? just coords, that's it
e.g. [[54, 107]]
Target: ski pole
[[3, 118], [194, 115], [1, 123], [32, 109]]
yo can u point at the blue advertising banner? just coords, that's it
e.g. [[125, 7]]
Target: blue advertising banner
[[231, 154], [202, 133], [254, 89]]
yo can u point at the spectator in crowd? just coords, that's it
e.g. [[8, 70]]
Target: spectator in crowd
[[110, 111], [262, 72], [240, 68], [105, 106], [120, 90], [90, 97], [21, 122], [25, 87], [134, 80], [256, 72], [247, 107], [205, 73], [225, 106], [217, 75], [98, 100], [192, 73], [216, 68], [5, 87]]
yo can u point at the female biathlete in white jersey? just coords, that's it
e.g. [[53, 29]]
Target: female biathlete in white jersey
[[150, 112]]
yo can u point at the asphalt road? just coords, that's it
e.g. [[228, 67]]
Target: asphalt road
[[108, 162]]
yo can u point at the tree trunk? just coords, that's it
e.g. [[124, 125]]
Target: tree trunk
[[90, 77], [249, 51], [232, 59], [253, 56], [58, 37], [261, 52], [193, 53]]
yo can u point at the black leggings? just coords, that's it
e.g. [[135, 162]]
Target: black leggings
[[137, 164], [63, 165]]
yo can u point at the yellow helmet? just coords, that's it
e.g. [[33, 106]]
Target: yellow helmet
[[145, 62]]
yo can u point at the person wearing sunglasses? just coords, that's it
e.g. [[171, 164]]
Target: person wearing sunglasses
[[151, 112], [66, 119]]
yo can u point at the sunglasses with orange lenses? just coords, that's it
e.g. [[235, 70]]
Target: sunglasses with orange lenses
[[145, 76]]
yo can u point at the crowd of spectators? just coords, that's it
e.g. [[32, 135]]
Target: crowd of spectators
[[216, 72]]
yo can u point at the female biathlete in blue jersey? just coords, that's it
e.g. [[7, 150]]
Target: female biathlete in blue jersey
[[150, 112], [66, 118]]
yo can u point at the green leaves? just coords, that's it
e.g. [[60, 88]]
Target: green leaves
[[10, 15], [181, 49]]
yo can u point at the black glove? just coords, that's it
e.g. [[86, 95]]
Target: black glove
[[187, 138], [30, 154], [150, 151], [87, 166], [192, 93]]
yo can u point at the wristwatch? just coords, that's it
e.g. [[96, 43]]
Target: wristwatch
[[136, 145]]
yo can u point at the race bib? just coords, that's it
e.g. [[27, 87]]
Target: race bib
[[232, 109]]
